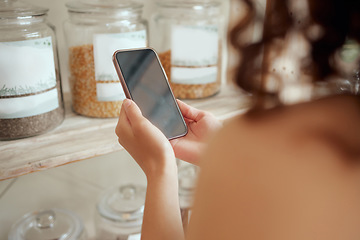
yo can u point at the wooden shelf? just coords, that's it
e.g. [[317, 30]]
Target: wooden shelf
[[79, 137]]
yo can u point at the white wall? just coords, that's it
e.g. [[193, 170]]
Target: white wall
[[58, 14]]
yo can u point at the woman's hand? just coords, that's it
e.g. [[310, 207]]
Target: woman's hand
[[200, 125], [144, 142], [154, 154]]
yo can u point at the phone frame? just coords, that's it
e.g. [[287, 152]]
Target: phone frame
[[126, 90]]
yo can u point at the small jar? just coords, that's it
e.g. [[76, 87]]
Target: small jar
[[94, 31], [120, 213], [31, 100], [48, 225], [187, 36], [187, 182]]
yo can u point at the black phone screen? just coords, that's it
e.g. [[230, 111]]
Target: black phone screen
[[149, 89]]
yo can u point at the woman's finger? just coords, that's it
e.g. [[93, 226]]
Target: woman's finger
[[123, 128], [189, 111], [140, 126], [132, 111]]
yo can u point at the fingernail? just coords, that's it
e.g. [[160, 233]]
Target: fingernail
[[126, 103]]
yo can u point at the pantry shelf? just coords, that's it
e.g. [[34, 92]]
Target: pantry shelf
[[79, 137]]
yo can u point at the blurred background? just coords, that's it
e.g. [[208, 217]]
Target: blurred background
[[58, 14]]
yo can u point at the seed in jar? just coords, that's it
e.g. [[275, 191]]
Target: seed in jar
[[83, 85], [188, 91], [29, 126]]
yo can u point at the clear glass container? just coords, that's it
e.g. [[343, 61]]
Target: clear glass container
[[350, 68], [346, 60], [187, 183], [31, 99], [187, 36], [94, 31], [120, 213], [48, 224]]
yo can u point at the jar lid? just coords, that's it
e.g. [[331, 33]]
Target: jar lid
[[47, 225], [190, 5], [124, 204], [187, 183], [98, 6], [15, 9]]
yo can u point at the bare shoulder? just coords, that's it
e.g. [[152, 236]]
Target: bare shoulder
[[285, 174], [324, 134], [332, 123]]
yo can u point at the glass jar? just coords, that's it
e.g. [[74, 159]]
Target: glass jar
[[94, 31], [30, 88], [187, 36], [120, 212], [349, 65], [48, 225], [187, 182]]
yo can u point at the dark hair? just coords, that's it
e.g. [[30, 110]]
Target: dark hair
[[337, 19]]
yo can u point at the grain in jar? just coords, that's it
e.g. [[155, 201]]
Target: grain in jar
[[94, 31], [31, 100], [187, 36]]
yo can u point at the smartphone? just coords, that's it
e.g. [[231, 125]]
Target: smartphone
[[144, 81]]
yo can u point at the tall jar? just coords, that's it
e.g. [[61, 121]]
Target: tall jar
[[94, 31], [187, 36], [31, 100]]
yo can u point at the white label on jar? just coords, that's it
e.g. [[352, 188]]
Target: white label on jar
[[135, 237], [104, 47], [183, 75], [196, 46], [109, 91], [28, 78], [27, 106]]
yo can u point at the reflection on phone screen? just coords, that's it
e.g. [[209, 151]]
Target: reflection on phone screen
[[150, 90]]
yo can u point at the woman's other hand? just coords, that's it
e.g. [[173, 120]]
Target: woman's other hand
[[200, 125], [144, 142]]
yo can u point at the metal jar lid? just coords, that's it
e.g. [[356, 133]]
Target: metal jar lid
[[48, 225], [123, 205], [19, 9]]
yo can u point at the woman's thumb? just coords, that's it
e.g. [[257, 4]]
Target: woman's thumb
[[132, 111]]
